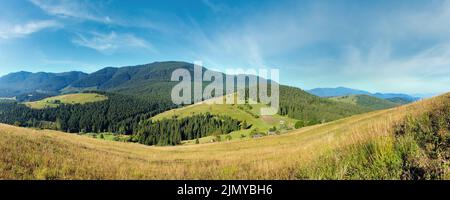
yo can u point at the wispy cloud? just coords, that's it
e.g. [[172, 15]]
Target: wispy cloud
[[397, 50], [97, 11], [21, 30], [78, 9], [111, 42], [258, 36], [215, 7], [378, 66]]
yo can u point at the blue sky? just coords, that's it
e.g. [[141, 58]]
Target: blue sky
[[385, 46]]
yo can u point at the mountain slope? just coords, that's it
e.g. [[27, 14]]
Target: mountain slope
[[298, 104], [26, 82], [367, 101], [132, 77], [150, 81], [110, 77], [367, 146]]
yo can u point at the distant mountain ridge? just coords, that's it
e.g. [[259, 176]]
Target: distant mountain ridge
[[150, 80], [112, 78], [19, 83], [127, 79], [343, 91]]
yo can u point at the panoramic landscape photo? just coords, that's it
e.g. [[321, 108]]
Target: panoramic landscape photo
[[224, 90]]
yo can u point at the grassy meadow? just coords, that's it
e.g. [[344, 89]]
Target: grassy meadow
[[378, 145], [248, 112], [79, 98]]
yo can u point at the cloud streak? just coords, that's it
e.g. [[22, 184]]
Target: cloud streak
[[22, 30], [108, 43], [77, 9]]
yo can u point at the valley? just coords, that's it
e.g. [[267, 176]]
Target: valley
[[124, 117]]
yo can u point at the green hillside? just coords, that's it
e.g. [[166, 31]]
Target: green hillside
[[298, 104], [250, 113], [297, 109], [366, 101], [53, 102]]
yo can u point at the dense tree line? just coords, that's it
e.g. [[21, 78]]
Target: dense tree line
[[296, 103], [173, 131], [19, 114], [118, 114]]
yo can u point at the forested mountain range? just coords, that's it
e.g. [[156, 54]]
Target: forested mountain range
[[135, 94], [152, 81], [153, 78]]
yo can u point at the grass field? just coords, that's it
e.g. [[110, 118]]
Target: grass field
[[79, 98], [359, 147], [250, 114]]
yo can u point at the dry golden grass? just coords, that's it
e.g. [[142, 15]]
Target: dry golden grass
[[34, 154]]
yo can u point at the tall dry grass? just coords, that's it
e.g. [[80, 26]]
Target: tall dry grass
[[335, 150]]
